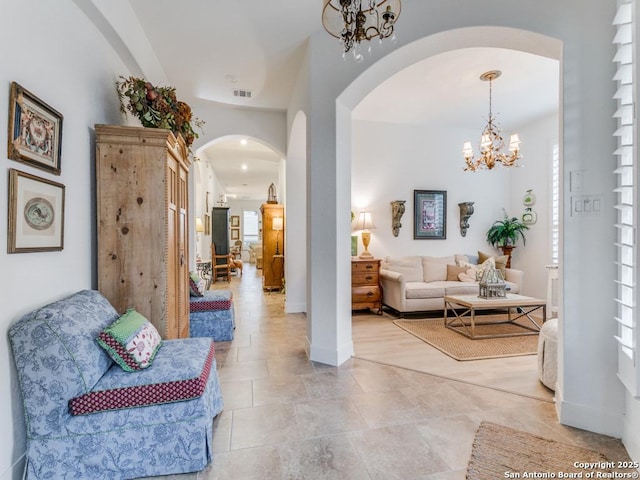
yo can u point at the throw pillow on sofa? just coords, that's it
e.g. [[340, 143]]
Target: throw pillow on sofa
[[500, 261], [194, 285], [453, 272], [131, 341]]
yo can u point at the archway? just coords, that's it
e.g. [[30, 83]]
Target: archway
[[497, 37]]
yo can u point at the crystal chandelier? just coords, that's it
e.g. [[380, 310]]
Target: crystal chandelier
[[491, 143], [353, 21]]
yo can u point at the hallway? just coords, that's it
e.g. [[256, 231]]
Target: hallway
[[288, 418]]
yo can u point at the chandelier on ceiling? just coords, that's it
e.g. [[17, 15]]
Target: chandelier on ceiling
[[491, 143], [353, 21]]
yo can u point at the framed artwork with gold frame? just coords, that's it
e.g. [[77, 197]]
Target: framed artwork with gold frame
[[36, 213], [235, 234], [35, 131]]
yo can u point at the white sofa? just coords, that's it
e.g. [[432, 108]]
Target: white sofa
[[419, 283]]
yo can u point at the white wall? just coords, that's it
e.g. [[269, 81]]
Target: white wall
[[537, 144], [391, 161], [77, 79]]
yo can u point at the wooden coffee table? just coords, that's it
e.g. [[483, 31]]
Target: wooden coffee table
[[516, 306]]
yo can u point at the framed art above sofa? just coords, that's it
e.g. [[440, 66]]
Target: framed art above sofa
[[429, 214]]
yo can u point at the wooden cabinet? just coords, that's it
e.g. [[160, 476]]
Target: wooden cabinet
[[142, 216], [220, 232], [366, 291], [272, 246]]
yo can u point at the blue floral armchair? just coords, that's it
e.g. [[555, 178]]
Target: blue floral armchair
[[59, 362]]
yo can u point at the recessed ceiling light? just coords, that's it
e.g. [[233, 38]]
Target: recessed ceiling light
[[244, 166], [243, 141]]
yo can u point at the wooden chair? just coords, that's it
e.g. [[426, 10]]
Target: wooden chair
[[220, 264], [236, 250]]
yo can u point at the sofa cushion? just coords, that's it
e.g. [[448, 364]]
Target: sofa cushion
[[424, 290], [211, 300], [462, 288], [57, 357], [131, 341], [163, 384], [409, 267], [435, 268]]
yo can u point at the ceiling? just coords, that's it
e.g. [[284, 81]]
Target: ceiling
[[257, 46]]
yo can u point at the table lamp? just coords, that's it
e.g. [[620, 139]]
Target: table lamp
[[278, 225], [365, 223]]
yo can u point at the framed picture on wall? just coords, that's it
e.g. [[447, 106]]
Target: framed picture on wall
[[429, 214], [36, 213], [235, 234], [35, 131], [235, 221]]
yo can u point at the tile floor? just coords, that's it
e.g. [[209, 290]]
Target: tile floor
[[288, 418]]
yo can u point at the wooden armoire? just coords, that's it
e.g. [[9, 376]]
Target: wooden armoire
[[220, 231], [272, 246], [142, 216]]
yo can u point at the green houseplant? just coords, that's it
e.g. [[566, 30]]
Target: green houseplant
[[506, 232]]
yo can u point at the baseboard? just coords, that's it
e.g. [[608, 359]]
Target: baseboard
[[331, 357], [293, 307], [588, 418], [15, 471], [631, 441]]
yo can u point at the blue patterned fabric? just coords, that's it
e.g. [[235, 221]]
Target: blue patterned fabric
[[57, 358], [217, 324]]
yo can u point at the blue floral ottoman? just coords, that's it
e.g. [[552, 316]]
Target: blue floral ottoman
[[212, 315]]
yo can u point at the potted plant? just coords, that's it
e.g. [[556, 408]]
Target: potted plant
[[506, 232]]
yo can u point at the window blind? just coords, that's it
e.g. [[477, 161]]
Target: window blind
[[555, 204], [626, 192], [250, 226]]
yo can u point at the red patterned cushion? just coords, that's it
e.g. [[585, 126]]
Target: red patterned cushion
[[143, 395], [208, 305]]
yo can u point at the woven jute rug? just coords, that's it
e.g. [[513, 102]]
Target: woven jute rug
[[456, 345], [503, 452]]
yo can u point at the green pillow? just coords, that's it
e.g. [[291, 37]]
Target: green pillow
[[131, 341]]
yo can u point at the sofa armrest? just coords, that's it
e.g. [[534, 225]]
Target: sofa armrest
[[391, 275], [394, 292], [515, 276]]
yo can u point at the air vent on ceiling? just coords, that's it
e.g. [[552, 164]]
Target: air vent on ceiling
[[242, 93]]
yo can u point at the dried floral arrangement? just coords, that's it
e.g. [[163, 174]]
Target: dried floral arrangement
[[157, 107]]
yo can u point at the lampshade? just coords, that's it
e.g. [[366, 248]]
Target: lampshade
[[364, 222], [278, 223], [199, 225]]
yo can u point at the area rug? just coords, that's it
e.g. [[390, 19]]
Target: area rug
[[503, 452], [456, 345]]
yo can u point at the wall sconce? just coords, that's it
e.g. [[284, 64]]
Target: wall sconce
[[397, 210], [199, 232], [278, 225], [466, 210]]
